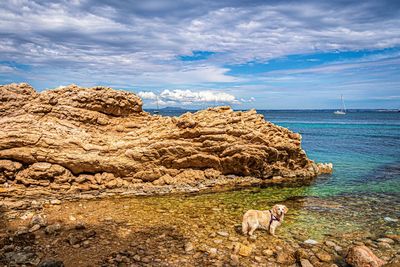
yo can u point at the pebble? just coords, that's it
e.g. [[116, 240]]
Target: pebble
[[330, 243], [388, 219], [34, 228], [338, 249], [136, 258], [235, 259], [212, 251], [76, 246], [385, 240], [258, 259], [324, 256], [245, 251], [72, 218], [55, 202], [189, 247], [310, 242], [267, 252], [86, 243], [222, 233]]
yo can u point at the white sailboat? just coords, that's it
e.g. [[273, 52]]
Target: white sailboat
[[158, 108], [343, 110]]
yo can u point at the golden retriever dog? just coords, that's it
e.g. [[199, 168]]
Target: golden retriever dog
[[264, 219]]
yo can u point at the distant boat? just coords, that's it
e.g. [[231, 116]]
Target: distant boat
[[158, 108], [343, 110]]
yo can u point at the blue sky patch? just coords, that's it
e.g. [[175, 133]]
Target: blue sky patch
[[304, 61], [197, 55]]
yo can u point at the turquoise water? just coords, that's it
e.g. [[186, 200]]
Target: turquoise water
[[363, 146]]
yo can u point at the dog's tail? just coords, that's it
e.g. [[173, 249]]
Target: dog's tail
[[245, 227]]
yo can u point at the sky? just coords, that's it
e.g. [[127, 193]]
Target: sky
[[194, 54]]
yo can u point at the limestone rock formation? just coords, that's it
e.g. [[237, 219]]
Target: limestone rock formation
[[74, 138]]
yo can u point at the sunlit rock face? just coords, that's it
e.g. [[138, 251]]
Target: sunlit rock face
[[75, 138]]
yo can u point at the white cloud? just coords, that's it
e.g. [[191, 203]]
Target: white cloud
[[189, 96], [147, 95]]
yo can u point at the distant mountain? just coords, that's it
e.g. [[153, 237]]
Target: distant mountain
[[172, 108]]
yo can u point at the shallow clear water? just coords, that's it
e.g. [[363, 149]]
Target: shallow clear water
[[364, 147]]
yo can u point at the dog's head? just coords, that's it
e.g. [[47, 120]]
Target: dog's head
[[280, 209]]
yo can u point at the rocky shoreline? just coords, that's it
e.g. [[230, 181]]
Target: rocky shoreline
[[139, 232]]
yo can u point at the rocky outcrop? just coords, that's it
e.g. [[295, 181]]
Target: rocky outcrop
[[82, 139]]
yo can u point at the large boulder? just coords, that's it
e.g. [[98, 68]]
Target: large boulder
[[71, 136]]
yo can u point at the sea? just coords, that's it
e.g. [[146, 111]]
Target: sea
[[360, 198]]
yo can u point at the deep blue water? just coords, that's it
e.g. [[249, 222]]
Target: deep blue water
[[364, 147]]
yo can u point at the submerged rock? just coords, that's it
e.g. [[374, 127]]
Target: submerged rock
[[74, 139]]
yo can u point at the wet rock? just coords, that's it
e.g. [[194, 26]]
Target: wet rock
[[330, 243], [386, 240], [285, 257], [305, 263], [324, 256], [245, 250], [362, 256], [310, 242], [384, 245], [396, 238], [300, 254], [51, 263], [338, 249], [388, 219]]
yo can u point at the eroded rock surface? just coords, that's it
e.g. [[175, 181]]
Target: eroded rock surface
[[80, 139]]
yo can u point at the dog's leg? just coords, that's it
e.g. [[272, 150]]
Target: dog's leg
[[245, 227], [252, 231], [272, 230]]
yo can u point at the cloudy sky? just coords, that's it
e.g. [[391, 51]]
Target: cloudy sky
[[191, 53]]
